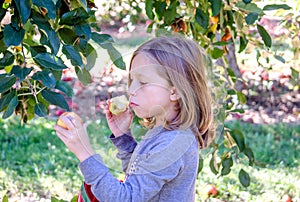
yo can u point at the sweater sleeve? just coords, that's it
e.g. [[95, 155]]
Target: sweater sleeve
[[138, 187], [125, 145], [150, 172]]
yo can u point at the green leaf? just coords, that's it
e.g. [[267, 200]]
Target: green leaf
[[12, 36], [7, 59], [49, 61], [276, 7], [84, 33], [215, 6], [251, 18], [40, 110], [5, 99], [149, 9], [249, 153], [216, 53], [295, 74], [202, 18], [55, 99], [24, 8], [49, 5], [11, 107], [103, 40], [5, 198], [251, 7], [226, 166], [54, 41], [241, 97], [244, 178], [278, 57], [21, 72], [34, 50], [222, 43], [160, 9], [64, 87], [116, 57], [171, 12], [46, 77], [239, 139], [3, 47], [243, 43], [265, 35], [74, 17], [201, 164], [231, 92], [2, 13], [73, 55], [74, 199], [213, 165], [6, 82], [91, 55], [68, 35], [83, 75]]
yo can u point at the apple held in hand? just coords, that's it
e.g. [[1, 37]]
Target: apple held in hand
[[72, 114], [118, 104]]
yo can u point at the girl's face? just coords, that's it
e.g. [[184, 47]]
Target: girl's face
[[149, 91]]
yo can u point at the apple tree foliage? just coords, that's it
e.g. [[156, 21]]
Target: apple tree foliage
[[38, 41]]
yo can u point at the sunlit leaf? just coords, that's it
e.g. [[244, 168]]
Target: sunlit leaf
[[276, 7], [49, 5], [264, 35], [84, 76]]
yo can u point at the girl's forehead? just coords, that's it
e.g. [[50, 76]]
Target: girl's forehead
[[142, 64]]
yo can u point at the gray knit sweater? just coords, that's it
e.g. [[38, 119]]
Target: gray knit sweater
[[161, 167]]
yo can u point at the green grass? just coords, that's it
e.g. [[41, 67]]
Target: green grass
[[35, 164]]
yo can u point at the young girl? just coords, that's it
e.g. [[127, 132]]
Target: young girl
[[168, 90]]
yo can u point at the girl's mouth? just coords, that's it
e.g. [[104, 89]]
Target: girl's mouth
[[132, 104]]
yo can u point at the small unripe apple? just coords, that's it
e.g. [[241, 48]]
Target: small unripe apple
[[286, 198], [118, 104], [72, 114]]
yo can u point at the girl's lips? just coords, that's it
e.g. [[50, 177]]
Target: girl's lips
[[132, 104]]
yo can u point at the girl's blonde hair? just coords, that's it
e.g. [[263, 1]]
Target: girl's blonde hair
[[184, 63]]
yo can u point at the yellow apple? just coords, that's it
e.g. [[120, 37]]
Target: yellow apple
[[118, 104], [72, 114]]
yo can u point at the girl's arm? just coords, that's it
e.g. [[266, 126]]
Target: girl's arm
[[170, 155], [125, 145]]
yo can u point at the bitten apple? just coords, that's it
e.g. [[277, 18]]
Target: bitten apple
[[118, 104], [72, 114]]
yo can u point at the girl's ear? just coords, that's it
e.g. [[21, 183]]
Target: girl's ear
[[174, 95]]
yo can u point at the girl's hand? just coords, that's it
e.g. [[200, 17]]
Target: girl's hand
[[118, 124], [75, 137]]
